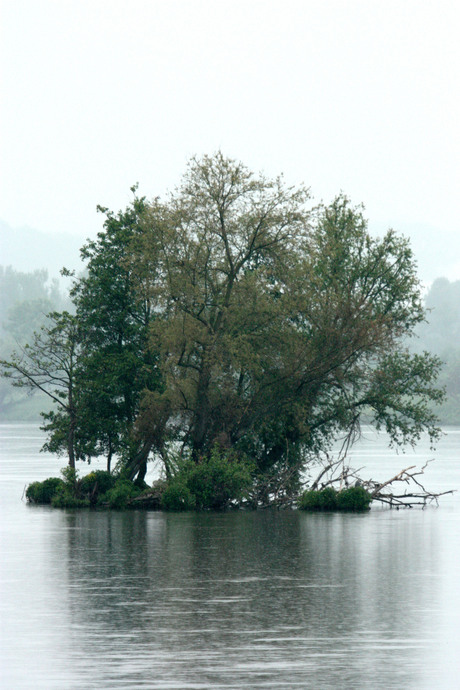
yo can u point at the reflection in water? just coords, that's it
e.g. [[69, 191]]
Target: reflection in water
[[237, 600], [249, 600]]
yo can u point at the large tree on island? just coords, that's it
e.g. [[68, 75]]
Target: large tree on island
[[235, 315], [278, 327]]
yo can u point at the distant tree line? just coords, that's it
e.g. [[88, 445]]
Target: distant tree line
[[440, 334], [25, 300]]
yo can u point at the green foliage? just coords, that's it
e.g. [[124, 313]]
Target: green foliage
[[325, 499], [233, 314], [176, 496], [64, 498], [68, 494], [117, 364], [277, 328], [215, 482], [355, 498], [44, 492], [94, 485], [97, 482], [49, 365], [119, 495], [96, 488], [70, 477], [218, 480]]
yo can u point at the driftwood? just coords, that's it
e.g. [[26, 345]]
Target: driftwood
[[149, 500], [338, 474]]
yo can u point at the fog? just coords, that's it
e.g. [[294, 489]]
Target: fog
[[356, 96]]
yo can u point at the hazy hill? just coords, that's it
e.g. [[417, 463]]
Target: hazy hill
[[27, 249]]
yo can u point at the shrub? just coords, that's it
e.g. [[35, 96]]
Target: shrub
[[70, 476], [43, 492], [355, 498], [325, 499], [70, 492], [66, 499], [214, 483], [119, 495], [67, 495], [177, 496], [96, 483], [218, 480]]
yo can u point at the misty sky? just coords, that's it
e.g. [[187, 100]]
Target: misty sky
[[359, 96]]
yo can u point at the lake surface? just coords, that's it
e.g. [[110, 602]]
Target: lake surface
[[240, 600]]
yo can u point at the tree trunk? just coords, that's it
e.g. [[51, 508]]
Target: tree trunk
[[109, 457], [71, 437], [137, 467], [202, 415]]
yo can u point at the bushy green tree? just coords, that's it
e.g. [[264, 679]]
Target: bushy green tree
[[279, 327], [44, 492], [116, 363]]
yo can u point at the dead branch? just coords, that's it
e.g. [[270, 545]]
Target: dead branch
[[402, 476], [416, 493]]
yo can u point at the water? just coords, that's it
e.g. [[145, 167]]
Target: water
[[241, 600]]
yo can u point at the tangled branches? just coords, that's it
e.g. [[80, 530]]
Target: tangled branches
[[338, 474]]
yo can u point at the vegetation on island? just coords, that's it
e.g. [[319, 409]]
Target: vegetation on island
[[232, 334]]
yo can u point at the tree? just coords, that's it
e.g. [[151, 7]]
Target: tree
[[233, 316], [111, 363], [278, 327], [116, 364], [49, 364]]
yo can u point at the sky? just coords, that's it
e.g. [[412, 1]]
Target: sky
[[359, 96]]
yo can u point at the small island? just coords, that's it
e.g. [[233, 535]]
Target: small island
[[233, 334]]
